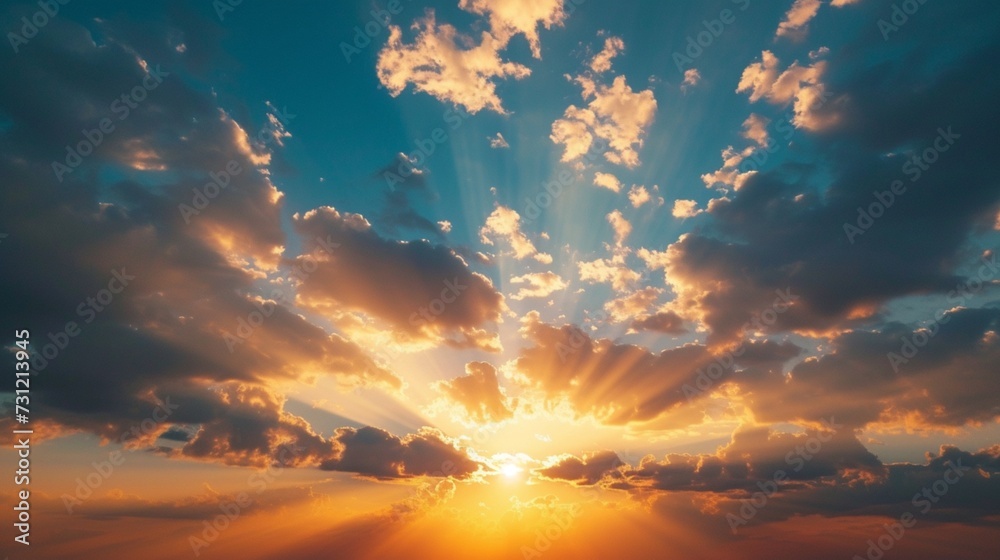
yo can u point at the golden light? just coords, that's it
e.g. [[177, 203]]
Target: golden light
[[510, 470]]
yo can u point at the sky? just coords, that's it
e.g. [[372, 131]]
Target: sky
[[500, 279]]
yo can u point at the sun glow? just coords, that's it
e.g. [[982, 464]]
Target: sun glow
[[510, 470]]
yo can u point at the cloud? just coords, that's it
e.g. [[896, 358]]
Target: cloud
[[620, 225], [511, 17], [798, 85], [797, 19], [615, 114], [586, 470], [755, 129], [505, 223], [692, 77], [537, 284], [498, 141], [613, 46], [190, 282], [632, 305], [638, 195], [685, 209], [376, 453], [946, 384], [437, 64], [607, 181], [478, 394], [620, 384], [774, 233], [613, 271], [666, 322], [733, 173], [753, 455], [426, 293], [399, 213]]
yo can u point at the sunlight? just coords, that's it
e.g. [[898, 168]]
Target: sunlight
[[510, 470]]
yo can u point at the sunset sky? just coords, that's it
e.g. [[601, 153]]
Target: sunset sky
[[501, 279]]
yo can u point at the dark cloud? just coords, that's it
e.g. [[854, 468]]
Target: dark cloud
[[426, 293], [623, 383], [666, 322], [942, 374], [130, 302], [373, 452], [784, 229], [586, 470]]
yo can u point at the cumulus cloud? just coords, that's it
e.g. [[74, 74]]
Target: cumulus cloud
[[615, 114], [438, 62], [948, 383], [454, 67], [586, 470], [638, 195], [686, 209], [755, 129], [692, 77], [622, 383], [666, 322], [734, 173], [478, 394], [774, 232], [620, 225], [425, 293], [796, 85], [508, 18], [607, 181], [178, 330], [505, 223], [797, 18], [636, 304], [537, 284], [613, 46], [378, 454], [613, 271]]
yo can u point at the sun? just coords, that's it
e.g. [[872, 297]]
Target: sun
[[510, 470]]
